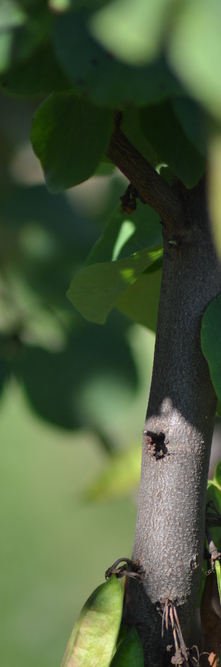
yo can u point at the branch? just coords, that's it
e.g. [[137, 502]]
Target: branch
[[152, 189]]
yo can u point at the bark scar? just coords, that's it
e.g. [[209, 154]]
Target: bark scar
[[156, 443]]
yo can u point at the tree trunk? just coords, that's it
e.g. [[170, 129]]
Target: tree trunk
[[170, 528], [169, 538]]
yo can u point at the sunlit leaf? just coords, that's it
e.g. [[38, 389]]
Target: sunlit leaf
[[96, 290], [217, 475], [195, 51], [125, 234], [214, 187], [133, 31], [94, 635], [140, 301], [11, 14], [218, 576]]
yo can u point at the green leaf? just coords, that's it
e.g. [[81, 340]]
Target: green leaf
[[11, 14], [95, 633], [131, 126], [120, 478], [20, 37], [105, 168], [118, 230], [125, 234], [193, 120], [141, 300], [218, 576], [130, 652], [32, 5], [5, 368], [218, 409], [211, 342], [86, 390], [132, 31], [69, 136], [95, 291], [202, 582], [165, 133], [214, 187], [195, 51], [122, 235], [75, 5], [104, 80], [214, 495], [217, 475], [39, 74]]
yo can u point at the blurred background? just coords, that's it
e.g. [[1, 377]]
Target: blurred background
[[72, 408], [73, 400]]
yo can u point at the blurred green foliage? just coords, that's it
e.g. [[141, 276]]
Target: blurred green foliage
[[55, 547], [72, 394], [158, 62]]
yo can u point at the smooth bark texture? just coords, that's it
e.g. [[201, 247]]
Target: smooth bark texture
[[170, 529]]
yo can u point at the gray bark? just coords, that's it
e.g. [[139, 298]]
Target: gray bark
[[169, 538]]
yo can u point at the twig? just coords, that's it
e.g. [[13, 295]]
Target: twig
[[130, 568], [152, 189]]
